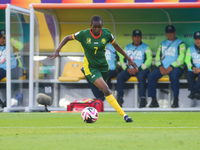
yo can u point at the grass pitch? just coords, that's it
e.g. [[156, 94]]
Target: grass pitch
[[58, 131]]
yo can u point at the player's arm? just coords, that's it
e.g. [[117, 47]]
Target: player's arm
[[181, 58], [120, 50], [64, 41]]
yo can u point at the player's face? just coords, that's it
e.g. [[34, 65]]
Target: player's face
[[136, 39], [96, 27], [3, 40], [197, 42], [171, 36]]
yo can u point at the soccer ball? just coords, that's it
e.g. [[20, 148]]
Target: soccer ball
[[89, 115]]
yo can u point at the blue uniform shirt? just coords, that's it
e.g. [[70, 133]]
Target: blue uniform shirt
[[195, 57], [3, 53], [110, 56], [170, 51], [138, 53]]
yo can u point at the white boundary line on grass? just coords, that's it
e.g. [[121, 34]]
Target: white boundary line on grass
[[65, 127], [107, 113]]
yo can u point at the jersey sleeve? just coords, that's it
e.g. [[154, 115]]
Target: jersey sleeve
[[78, 35], [111, 38]]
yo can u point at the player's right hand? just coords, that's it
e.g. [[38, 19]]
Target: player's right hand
[[56, 54]]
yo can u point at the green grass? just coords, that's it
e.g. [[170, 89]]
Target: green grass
[[149, 131]]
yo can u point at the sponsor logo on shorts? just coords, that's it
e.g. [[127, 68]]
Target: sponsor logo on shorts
[[93, 76]]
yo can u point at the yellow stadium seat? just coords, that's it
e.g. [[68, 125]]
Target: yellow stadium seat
[[115, 78], [133, 79], [72, 71], [164, 79], [3, 80]]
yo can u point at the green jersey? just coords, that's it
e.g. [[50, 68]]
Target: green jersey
[[94, 48]]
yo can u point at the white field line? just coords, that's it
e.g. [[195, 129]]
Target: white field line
[[108, 113], [112, 127]]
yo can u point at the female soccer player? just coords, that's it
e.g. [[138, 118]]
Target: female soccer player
[[96, 68]]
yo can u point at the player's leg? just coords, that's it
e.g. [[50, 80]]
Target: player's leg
[[95, 76], [96, 92], [101, 84]]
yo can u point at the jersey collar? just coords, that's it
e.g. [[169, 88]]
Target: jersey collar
[[96, 37]]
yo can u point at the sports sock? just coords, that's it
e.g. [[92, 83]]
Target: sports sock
[[113, 102]]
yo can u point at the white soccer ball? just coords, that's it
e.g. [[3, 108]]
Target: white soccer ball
[[89, 115]]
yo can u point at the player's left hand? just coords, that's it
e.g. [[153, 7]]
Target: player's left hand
[[56, 54], [132, 63]]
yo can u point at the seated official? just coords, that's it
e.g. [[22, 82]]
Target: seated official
[[142, 56], [169, 61], [17, 65], [192, 61]]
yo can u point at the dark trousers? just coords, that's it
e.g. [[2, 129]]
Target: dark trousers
[[123, 76], [16, 73], [192, 83], [98, 93], [174, 76]]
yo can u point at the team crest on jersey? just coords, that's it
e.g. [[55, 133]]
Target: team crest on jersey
[[103, 41], [88, 40]]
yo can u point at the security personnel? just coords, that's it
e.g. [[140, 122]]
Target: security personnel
[[142, 56], [169, 61], [192, 61], [17, 65]]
